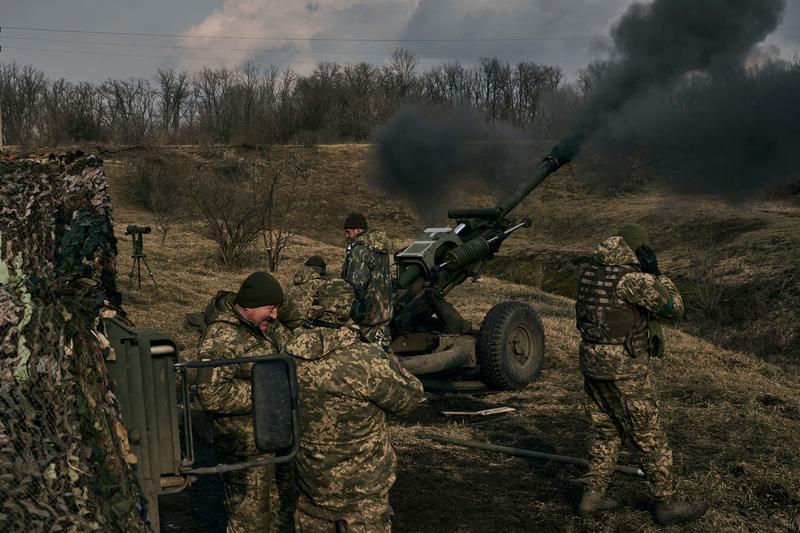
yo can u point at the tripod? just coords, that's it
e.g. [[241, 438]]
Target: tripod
[[139, 258]]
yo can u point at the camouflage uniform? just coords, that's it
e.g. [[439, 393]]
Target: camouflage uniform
[[300, 295], [225, 391], [366, 267], [346, 463], [614, 295]]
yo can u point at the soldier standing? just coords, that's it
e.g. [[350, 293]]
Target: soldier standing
[[366, 268], [346, 464], [242, 324], [620, 294]]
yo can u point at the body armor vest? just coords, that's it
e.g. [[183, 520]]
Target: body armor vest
[[603, 317]]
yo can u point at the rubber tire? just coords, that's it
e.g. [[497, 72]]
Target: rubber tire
[[504, 324]]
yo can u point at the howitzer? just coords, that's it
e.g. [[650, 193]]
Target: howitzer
[[430, 332]]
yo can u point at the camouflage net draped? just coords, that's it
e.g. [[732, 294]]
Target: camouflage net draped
[[64, 460]]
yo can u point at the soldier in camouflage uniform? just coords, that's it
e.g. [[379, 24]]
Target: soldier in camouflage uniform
[[300, 295], [366, 268], [239, 325], [620, 296], [346, 463]]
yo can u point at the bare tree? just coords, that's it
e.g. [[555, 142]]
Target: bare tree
[[277, 230], [229, 202], [130, 106], [173, 92], [216, 105]]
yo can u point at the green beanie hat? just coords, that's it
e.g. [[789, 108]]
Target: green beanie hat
[[317, 263], [355, 221], [258, 290], [335, 297], [634, 235]]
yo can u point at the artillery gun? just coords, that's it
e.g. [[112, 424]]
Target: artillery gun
[[429, 333]]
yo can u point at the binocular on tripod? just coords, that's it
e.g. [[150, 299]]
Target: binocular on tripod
[[136, 233]]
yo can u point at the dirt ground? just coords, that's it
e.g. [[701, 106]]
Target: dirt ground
[[733, 419]]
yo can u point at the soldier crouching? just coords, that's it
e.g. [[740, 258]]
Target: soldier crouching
[[346, 464]]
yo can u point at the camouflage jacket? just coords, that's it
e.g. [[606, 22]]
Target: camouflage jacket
[[225, 390], [649, 293], [366, 267], [300, 296], [346, 463]]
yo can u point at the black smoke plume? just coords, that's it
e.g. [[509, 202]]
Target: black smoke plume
[[680, 93], [425, 156], [677, 91]]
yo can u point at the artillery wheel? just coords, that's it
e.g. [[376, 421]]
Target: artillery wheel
[[510, 346]]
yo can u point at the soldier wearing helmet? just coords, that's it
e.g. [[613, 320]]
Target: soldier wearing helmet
[[620, 296], [346, 464]]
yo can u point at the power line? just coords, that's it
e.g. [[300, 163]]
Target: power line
[[221, 49], [337, 39], [59, 50], [313, 39]]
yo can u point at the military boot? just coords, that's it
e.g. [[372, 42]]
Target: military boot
[[595, 503], [674, 511]]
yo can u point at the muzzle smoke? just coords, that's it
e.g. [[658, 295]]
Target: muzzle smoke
[[678, 91]]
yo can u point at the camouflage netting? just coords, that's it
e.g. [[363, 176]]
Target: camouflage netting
[[64, 460]]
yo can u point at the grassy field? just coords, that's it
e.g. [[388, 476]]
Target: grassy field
[[732, 418]]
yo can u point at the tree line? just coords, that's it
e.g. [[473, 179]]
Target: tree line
[[333, 103]]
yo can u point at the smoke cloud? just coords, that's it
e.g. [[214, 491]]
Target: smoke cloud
[[424, 156], [688, 87], [680, 92]]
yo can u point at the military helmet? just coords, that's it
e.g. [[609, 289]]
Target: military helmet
[[335, 297], [355, 221], [317, 263], [634, 235]]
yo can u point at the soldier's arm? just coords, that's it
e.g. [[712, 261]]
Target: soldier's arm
[[359, 267], [218, 389], [391, 387], [656, 294]]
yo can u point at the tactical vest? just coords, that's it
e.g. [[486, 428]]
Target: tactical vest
[[603, 317]]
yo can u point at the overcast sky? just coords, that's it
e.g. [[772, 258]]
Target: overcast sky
[[300, 33]]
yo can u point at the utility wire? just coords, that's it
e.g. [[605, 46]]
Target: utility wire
[[336, 39], [306, 39], [221, 49], [59, 50]]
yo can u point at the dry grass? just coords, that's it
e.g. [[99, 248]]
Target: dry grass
[[733, 420]]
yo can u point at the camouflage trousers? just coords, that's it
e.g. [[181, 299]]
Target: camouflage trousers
[[249, 497], [380, 335], [251, 500], [312, 519], [627, 410]]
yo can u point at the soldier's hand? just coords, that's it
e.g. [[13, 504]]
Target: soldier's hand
[[647, 259]]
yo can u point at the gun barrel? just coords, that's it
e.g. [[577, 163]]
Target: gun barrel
[[545, 168], [562, 153]]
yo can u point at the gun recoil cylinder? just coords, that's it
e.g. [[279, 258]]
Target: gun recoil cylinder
[[467, 253]]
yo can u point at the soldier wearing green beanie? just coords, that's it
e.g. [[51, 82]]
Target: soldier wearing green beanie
[[366, 268], [620, 295], [243, 324]]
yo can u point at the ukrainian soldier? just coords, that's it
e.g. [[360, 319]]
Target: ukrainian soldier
[[366, 268], [242, 324], [346, 463], [621, 294], [300, 295]]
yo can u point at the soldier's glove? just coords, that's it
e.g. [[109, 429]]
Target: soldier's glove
[[647, 259]]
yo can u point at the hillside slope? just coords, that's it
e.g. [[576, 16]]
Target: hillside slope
[[737, 264], [733, 420]]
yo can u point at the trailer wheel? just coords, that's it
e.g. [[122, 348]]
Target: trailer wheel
[[510, 347]]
